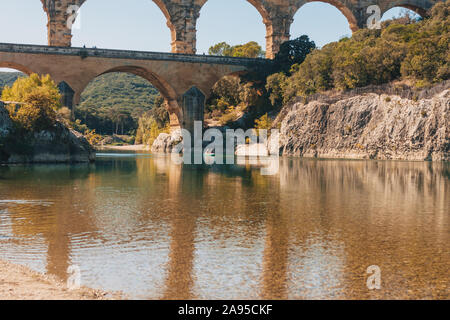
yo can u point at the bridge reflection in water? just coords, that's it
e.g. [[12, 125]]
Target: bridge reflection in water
[[157, 230]]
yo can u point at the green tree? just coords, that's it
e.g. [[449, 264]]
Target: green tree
[[221, 49], [37, 99], [159, 112], [35, 90], [263, 123], [293, 52], [249, 50]]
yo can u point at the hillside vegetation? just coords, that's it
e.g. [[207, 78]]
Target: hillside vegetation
[[415, 52], [113, 103], [8, 78]]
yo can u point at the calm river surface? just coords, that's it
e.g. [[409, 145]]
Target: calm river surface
[[153, 229]]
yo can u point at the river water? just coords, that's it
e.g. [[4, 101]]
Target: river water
[[153, 229]]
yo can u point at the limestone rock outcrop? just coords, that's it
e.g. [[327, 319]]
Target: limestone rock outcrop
[[56, 145], [252, 150], [166, 142], [369, 126]]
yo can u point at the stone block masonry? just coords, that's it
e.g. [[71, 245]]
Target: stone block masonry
[[277, 15]]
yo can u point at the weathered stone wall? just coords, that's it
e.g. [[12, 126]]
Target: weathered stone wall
[[277, 15]]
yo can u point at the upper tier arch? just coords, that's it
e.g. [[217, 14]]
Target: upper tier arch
[[277, 15], [345, 8]]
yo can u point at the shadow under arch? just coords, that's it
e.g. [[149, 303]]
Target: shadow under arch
[[413, 5], [347, 12], [16, 66]]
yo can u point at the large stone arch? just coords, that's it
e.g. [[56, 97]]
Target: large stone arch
[[16, 66], [164, 88], [60, 35]]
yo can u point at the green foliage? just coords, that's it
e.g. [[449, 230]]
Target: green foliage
[[92, 137], [249, 50], [276, 86], [149, 130], [153, 123], [113, 103], [231, 97], [225, 93], [227, 119], [8, 78], [79, 127], [37, 100], [159, 112], [220, 49], [405, 49], [33, 90], [293, 52], [263, 123]]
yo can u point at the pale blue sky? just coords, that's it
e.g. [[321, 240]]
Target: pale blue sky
[[140, 25]]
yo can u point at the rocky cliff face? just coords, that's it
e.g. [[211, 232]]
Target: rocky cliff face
[[58, 144], [370, 127]]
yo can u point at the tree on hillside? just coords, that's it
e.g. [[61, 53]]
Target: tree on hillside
[[293, 52], [38, 99]]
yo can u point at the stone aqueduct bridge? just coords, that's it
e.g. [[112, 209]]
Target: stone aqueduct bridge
[[185, 81], [183, 78], [277, 15]]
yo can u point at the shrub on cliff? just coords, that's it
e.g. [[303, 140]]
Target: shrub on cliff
[[37, 99]]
